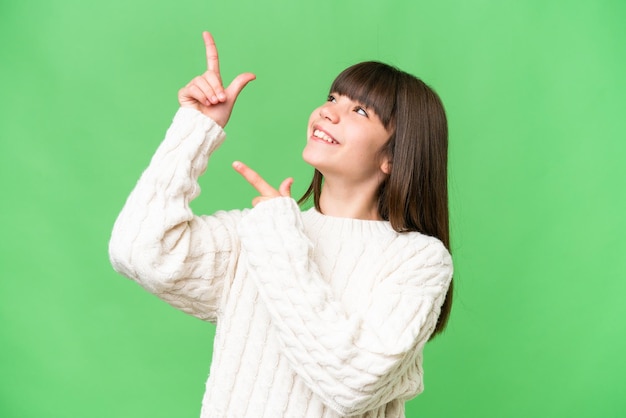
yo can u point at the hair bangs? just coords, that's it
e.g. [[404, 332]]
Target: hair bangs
[[374, 85]]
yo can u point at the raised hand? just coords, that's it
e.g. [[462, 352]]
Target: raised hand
[[266, 191], [206, 93]]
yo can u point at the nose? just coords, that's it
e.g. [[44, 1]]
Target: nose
[[328, 113]]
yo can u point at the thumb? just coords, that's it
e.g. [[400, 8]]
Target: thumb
[[285, 187], [238, 84]]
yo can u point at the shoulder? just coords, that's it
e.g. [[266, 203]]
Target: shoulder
[[413, 251], [416, 244]]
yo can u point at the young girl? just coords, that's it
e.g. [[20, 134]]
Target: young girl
[[321, 313]]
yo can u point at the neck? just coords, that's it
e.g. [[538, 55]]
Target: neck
[[347, 201]]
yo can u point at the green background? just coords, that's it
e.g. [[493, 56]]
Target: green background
[[535, 97]]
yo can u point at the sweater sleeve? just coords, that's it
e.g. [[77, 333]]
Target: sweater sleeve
[[352, 362], [158, 242]]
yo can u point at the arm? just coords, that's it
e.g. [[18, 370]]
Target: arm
[[352, 362], [157, 240]]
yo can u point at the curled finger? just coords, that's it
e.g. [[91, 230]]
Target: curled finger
[[201, 96], [259, 199], [213, 80], [208, 89]]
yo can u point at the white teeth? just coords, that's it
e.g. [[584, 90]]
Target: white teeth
[[321, 135]]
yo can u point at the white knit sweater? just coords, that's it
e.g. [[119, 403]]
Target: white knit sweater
[[316, 316]]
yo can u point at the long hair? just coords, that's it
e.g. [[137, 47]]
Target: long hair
[[414, 196]]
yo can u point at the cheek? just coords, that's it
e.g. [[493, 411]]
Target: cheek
[[380, 138], [371, 140], [369, 152]]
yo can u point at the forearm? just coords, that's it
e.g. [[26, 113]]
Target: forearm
[[349, 360]]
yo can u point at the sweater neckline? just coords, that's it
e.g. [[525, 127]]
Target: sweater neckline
[[334, 225]]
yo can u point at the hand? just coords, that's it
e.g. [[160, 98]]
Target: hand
[[267, 192], [206, 93]]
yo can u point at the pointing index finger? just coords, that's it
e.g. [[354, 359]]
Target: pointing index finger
[[212, 59], [255, 179]]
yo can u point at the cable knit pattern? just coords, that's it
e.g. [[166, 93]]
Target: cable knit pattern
[[316, 316]]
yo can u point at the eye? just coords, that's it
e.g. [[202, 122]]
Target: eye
[[331, 98], [361, 111]]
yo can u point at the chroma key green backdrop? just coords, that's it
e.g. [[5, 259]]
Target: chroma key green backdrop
[[535, 97]]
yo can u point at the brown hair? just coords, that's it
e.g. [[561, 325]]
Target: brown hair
[[414, 196]]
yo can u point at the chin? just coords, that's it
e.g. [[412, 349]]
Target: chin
[[308, 157], [313, 159], [317, 159]]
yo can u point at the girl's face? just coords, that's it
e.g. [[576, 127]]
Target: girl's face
[[344, 140]]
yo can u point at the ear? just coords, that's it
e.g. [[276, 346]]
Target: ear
[[385, 167]]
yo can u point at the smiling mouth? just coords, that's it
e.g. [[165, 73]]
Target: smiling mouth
[[324, 136]]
